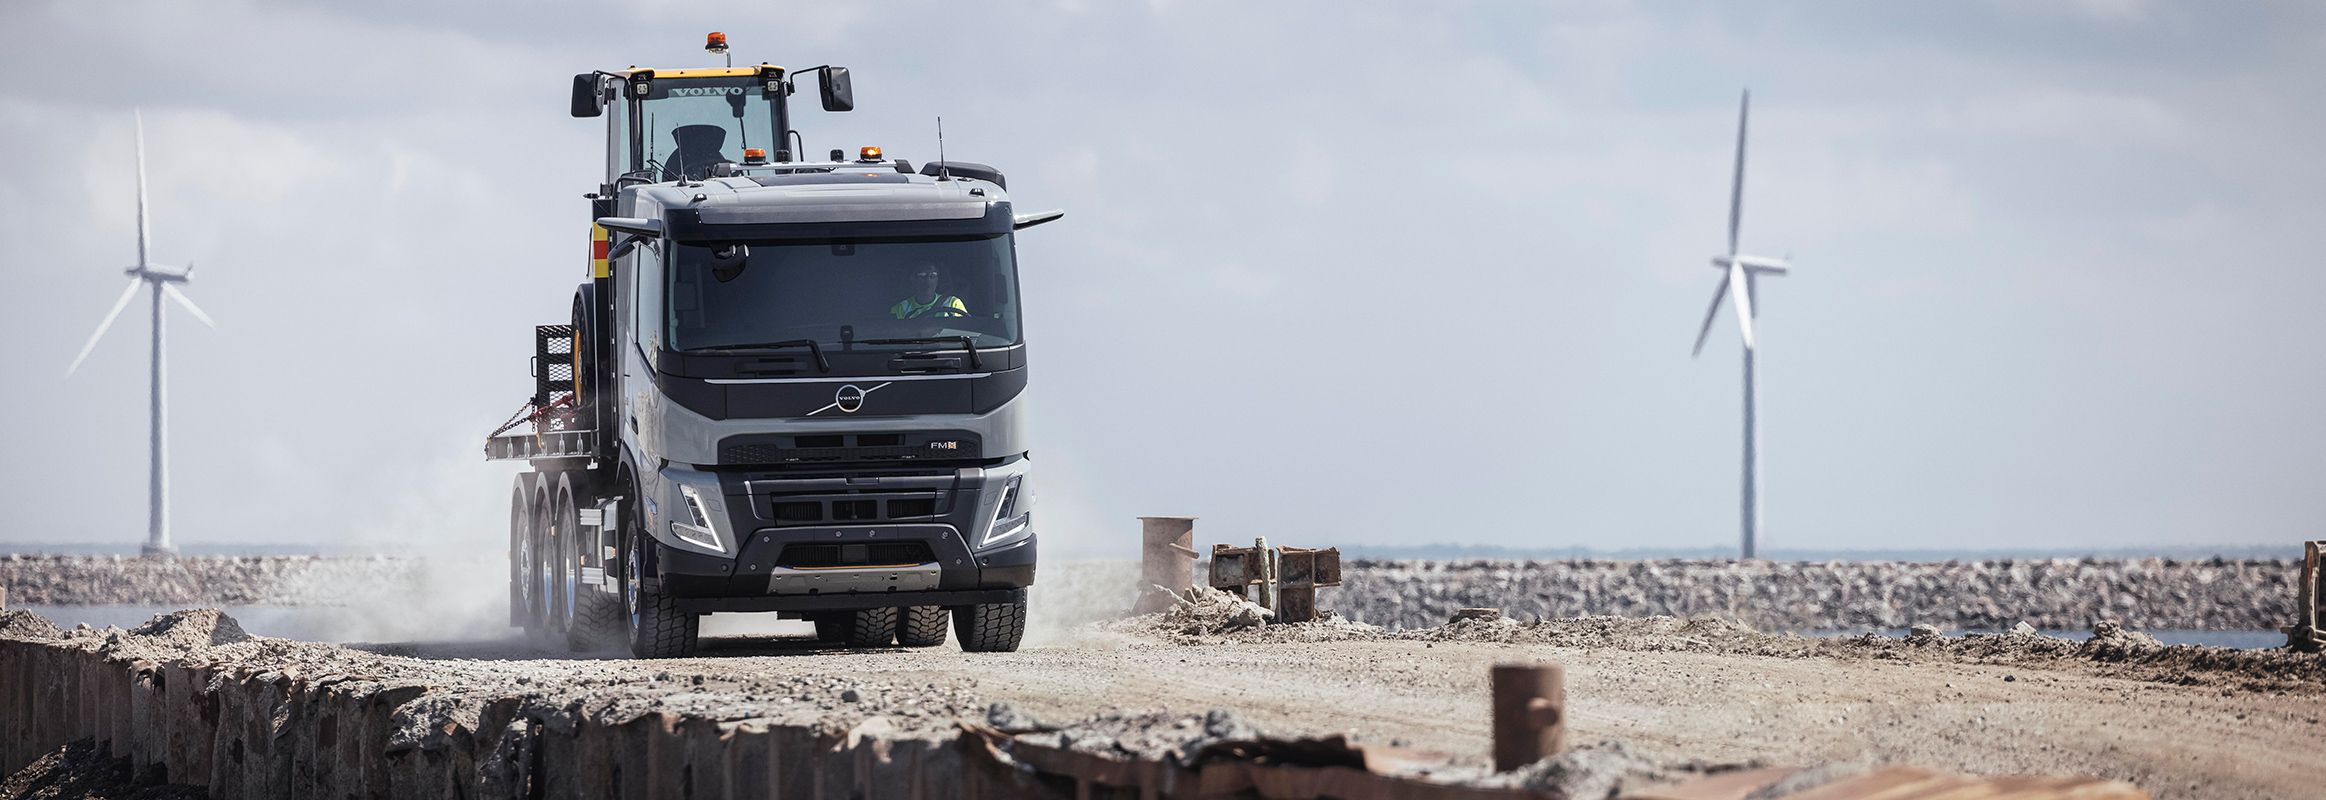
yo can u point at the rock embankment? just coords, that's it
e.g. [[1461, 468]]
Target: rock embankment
[[194, 580], [2072, 594]]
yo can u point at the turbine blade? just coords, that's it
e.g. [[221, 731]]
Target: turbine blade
[[1741, 294], [143, 233], [1736, 186], [1710, 313], [118, 305], [171, 289]]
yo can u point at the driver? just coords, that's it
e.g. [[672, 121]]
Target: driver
[[925, 301]]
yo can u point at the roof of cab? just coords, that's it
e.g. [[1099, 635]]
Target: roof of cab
[[699, 72], [850, 192]]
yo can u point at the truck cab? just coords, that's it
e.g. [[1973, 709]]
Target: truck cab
[[787, 385]]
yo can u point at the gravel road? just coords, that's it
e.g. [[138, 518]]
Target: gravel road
[[2178, 721], [1673, 696]]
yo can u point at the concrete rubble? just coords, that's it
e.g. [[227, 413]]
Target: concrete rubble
[[2055, 594], [2052, 594]]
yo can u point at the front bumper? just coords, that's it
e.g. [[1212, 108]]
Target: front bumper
[[758, 580]]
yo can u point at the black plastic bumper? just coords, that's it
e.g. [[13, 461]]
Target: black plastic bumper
[[703, 582]]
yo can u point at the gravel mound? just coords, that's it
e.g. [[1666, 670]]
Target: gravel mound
[[1211, 617], [195, 580], [2147, 594], [194, 629], [1205, 611], [28, 626], [85, 771]]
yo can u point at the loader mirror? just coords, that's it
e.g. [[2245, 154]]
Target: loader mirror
[[838, 94], [585, 95]]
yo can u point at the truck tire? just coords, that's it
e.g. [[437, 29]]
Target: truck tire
[[991, 627], [544, 573], [656, 626], [921, 626], [872, 627], [522, 613], [596, 621]]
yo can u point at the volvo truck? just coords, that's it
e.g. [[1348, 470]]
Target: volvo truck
[[786, 385]]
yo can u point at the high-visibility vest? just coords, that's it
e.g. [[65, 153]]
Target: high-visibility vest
[[907, 309]]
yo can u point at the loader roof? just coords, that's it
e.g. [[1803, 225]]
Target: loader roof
[[828, 193]]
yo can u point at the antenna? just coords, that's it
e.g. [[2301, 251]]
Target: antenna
[[944, 169]]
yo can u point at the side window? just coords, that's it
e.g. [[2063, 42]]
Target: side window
[[646, 299]]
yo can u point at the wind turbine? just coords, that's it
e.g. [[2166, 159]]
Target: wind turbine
[[164, 281], [1736, 284]]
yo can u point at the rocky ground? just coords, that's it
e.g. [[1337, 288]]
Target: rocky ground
[[2068, 594], [194, 580], [85, 771], [2149, 594], [1648, 697]]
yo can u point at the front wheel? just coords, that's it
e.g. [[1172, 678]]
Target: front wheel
[[921, 626], [656, 626], [872, 627], [991, 627]]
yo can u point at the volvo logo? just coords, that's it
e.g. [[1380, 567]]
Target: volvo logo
[[849, 398]]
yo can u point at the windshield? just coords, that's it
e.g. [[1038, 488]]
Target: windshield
[[842, 291], [688, 124]]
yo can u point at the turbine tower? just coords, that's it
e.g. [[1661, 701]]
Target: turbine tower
[[1736, 284], [164, 281]]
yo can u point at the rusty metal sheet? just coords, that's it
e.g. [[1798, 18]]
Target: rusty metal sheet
[[1328, 567], [1299, 568], [1231, 568]]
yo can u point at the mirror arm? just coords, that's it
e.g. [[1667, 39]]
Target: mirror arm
[[1024, 221]]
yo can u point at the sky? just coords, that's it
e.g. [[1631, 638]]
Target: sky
[[1335, 273]]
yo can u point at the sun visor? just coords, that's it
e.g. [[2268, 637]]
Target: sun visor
[[829, 219]]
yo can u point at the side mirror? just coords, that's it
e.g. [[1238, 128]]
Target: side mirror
[[635, 226], [585, 95], [838, 94], [1021, 221]]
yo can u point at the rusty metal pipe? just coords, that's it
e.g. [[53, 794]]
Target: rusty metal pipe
[[1530, 714]]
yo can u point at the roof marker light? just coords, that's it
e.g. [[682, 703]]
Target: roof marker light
[[868, 154]]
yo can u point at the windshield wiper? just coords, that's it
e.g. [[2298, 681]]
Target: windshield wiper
[[810, 344], [966, 344]]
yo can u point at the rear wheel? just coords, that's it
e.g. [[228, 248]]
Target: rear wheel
[[595, 617], [872, 627], [991, 627], [544, 570], [656, 627], [921, 626], [522, 612]]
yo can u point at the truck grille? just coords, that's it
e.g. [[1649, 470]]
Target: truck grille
[[847, 447], [831, 556]]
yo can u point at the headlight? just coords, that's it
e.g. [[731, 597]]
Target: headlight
[[698, 529], [1008, 523]]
